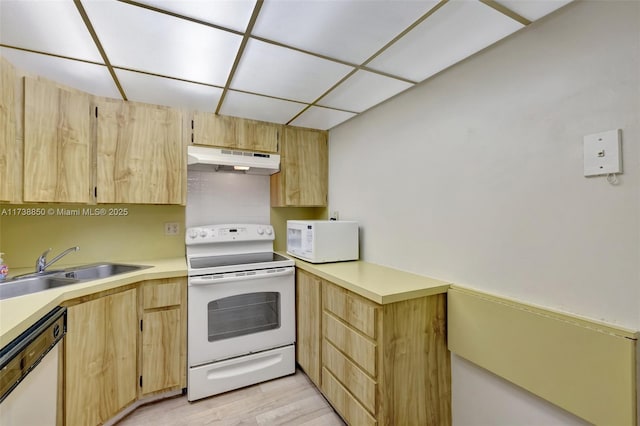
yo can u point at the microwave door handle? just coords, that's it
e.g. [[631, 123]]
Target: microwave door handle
[[257, 276]]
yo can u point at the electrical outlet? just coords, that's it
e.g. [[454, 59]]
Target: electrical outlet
[[171, 228]]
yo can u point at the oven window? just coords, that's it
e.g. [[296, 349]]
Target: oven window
[[243, 314]]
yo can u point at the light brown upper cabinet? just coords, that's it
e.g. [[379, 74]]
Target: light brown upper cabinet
[[231, 132], [141, 158], [7, 129], [57, 144], [302, 180]]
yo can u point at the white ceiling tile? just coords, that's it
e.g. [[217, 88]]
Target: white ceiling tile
[[47, 26], [285, 73], [348, 30], [363, 90], [234, 14], [137, 38], [321, 118], [261, 108], [533, 9], [455, 31], [91, 78], [165, 91]]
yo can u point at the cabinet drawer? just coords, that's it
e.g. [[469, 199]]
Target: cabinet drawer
[[354, 413], [159, 293], [359, 313], [357, 347], [352, 377]]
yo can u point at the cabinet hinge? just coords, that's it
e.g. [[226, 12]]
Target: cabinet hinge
[[140, 325], [191, 137], [140, 381], [96, 112], [191, 124]]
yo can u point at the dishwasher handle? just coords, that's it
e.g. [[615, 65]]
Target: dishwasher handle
[[214, 279]]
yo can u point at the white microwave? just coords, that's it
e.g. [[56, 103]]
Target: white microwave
[[321, 241]]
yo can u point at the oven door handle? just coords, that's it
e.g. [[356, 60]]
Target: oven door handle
[[232, 277]]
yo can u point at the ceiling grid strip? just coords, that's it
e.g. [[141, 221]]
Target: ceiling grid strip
[[419, 21], [266, 40], [243, 45], [53, 55], [96, 40], [342, 80], [115, 67], [246, 35], [179, 16], [372, 57], [491, 3], [506, 11], [329, 58]]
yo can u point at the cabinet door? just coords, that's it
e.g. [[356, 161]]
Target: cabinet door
[[303, 164], [8, 129], [214, 130], [57, 150], [141, 158], [258, 136], [235, 133], [100, 358], [308, 314], [161, 344], [164, 334], [163, 293]]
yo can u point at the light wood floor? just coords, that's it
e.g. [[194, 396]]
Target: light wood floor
[[291, 400]]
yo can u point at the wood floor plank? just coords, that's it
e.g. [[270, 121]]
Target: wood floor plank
[[291, 400]]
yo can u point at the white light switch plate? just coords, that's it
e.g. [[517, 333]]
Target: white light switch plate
[[602, 153]]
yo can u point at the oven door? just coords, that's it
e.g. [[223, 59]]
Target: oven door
[[236, 315]]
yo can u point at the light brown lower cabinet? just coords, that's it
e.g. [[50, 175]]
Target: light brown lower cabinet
[[379, 364], [163, 354], [123, 345], [100, 358], [308, 312]]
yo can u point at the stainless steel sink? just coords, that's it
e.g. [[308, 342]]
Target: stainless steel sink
[[33, 283], [22, 286], [100, 270]]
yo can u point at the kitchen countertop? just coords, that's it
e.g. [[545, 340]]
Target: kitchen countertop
[[377, 283], [18, 313]]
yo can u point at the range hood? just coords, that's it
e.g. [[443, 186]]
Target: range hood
[[232, 160]]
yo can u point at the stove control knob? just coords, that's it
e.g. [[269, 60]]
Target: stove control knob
[[203, 233], [269, 231], [260, 230], [193, 233]]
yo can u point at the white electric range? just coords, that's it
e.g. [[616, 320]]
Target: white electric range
[[241, 308]]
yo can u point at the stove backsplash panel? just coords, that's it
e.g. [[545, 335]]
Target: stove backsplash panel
[[219, 197]]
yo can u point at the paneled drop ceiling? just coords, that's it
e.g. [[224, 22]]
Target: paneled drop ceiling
[[309, 63]]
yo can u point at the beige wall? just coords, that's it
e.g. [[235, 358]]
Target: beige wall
[[476, 177], [137, 235]]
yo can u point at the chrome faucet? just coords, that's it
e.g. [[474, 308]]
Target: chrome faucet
[[42, 264]]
